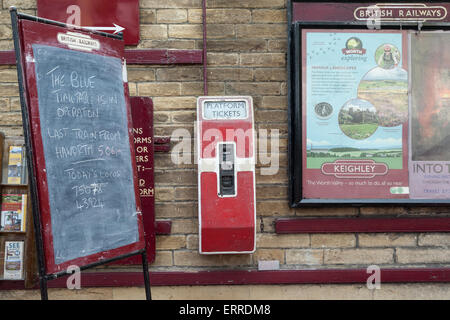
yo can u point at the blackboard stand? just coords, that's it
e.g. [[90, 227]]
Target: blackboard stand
[[44, 277]]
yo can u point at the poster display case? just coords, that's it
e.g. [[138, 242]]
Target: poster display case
[[370, 119]]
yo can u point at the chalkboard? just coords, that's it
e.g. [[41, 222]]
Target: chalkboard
[[87, 152], [80, 134]]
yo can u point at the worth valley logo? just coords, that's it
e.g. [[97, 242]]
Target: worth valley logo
[[354, 168], [417, 12], [354, 46]]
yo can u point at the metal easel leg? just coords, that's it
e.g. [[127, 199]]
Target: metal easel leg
[[148, 293], [43, 286]]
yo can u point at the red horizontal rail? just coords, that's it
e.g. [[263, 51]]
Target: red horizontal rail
[[162, 144], [161, 147], [340, 225], [7, 58], [158, 56], [141, 56], [247, 277], [12, 285], [243, 277], [162, 140]]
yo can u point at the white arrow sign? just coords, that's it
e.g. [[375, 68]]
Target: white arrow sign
[[116, 28]]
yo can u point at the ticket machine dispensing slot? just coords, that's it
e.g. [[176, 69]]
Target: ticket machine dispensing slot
[[226, 175]]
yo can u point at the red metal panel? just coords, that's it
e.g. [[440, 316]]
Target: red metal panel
[[37, 33], [243, 149], [340, 225], [98, 13], [142, 115], [226, 224]]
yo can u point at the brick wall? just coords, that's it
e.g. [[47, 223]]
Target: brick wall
[[246, 56]]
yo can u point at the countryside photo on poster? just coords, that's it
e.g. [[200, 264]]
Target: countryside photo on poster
[[355, 113], [429, 166]]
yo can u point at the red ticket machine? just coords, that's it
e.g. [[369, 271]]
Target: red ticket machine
[[226, 175]]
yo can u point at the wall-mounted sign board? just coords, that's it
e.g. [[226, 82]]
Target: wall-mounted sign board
[[78, 129], [369, 108], [403, 11], [142, 116], [104, 15]]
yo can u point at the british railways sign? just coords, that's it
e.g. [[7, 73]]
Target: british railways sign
[[401, 12]]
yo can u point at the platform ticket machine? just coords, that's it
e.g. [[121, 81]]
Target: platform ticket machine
[[226, 175]]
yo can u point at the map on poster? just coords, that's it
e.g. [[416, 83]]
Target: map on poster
[[355, 114]]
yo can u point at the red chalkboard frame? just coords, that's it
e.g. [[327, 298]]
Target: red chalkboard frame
[[29, 30]]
